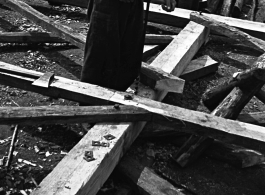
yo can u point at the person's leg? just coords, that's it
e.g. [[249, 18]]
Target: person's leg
[[113, 49]]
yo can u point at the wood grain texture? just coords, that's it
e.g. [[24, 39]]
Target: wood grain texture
[[84, 92], [199, 67], [181, 17], [178, 54], [228, 31]]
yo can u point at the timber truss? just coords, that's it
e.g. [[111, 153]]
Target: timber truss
[[118, 126]]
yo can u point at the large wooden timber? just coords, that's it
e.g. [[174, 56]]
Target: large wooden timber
[[87, 93], [43, 37], [180, 18], [228, 31], [176, 56], [29, 37], [60, 30], [82, 177]]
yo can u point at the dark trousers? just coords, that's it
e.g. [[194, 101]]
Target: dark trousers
[[113, 49]]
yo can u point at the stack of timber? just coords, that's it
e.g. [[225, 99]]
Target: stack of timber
[[167, 73]]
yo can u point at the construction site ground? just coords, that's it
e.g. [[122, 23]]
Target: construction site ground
[[206, 176]]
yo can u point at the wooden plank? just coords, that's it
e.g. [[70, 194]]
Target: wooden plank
[[177, 55], [87, 93], [84, 178], [60, 30], [43, 37], [181, 17], [199, 67], [228, 31], [72, 114], [29, 37], [145, 180]]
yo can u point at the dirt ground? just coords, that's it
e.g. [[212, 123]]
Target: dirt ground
[[46, 145]]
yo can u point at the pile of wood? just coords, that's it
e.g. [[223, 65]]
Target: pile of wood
[[88, 165]]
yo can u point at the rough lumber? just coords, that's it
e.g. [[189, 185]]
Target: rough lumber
[[236, 100], [160, 79], [237, 8], [83, 178], [226, 8], [43, 37], [59, 30], [87, 93], [177, 55], [72, 114], [199, 67], [29, 37], [180, 18], [146, 181], [228, 31], [191, 150], [212, 97]]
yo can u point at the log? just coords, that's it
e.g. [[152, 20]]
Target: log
[[83, 178], [248, 10], [233, 104], [226, 8], [212, 97], [237, 8], [87, 93], [146, 180], [212, 6], [191, 150], [199, 67], [229, 31]]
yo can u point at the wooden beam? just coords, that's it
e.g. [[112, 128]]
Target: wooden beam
[[199, 67], [59, 30], [228, 31], [87, 93], [178, 54], [72, 114], [43, 37], [181, 17], [29, 37], [145, 180]]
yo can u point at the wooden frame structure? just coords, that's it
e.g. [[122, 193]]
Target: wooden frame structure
[[74, 175]]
